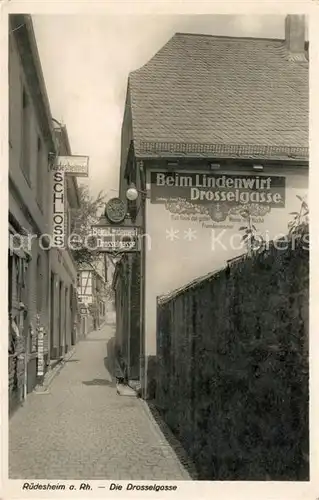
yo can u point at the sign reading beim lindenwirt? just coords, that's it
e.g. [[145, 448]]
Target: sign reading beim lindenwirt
[[115, 239], [223, 188], [217, 196]]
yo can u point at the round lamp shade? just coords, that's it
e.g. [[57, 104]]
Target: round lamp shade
[[132, 193]]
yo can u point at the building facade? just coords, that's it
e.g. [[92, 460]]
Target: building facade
[[63, 279], [35, 270], [214, 129], [91, 288]]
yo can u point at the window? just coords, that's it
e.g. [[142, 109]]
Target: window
[[39, 174], [25, 133], [71, 298]]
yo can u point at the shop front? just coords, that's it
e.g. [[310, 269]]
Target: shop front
[[18, 260]]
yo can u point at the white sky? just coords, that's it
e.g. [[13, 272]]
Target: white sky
[[86, 61]]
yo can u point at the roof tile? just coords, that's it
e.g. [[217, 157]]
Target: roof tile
[[203, 89]]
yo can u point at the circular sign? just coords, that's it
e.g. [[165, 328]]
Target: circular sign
[[115, 210]]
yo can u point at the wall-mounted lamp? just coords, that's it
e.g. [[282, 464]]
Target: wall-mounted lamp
[[258, 167], [214, 166], [132, 192]]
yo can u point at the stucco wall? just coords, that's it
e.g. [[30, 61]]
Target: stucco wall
[[65, 272], [32, 214], [171, 264], [27, 190], [25, 205]]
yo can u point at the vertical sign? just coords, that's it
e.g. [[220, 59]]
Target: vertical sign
[[58, 209], [40, 352]]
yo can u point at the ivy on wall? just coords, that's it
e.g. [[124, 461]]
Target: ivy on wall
[[232, 365]]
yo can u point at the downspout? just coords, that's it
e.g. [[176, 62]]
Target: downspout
[[142, 283], [129, 310], [50, 309]]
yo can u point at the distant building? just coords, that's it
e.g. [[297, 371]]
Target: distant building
[[42, 280], [91, 288], [211, 125]]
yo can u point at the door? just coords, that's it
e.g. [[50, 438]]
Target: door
[[60, 319], [66, 336], [16, 325]]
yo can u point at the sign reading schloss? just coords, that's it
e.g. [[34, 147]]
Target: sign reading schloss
[[72, 165], [231, 189], [115, 239], [58, 210]]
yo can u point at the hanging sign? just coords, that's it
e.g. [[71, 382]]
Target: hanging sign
[[115, 239], [58, 209], [115, 210], [72, 165]]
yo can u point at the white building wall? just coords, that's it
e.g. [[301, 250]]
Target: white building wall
[[172, 263]]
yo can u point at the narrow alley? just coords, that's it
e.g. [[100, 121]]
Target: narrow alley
[[81, 428], [158, 249]]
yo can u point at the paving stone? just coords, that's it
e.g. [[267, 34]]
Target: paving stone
[[82, 429]]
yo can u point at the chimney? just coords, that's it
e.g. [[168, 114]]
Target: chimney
[[295, 35]]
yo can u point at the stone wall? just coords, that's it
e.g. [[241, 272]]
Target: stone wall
[[232, 369]]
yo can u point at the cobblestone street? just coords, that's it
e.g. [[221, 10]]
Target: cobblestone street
[[82, 429]]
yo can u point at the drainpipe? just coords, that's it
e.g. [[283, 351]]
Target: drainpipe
[[142, 283], [50, 308], [129, 306]]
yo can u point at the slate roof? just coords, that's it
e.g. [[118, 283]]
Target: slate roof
[[220, 96]]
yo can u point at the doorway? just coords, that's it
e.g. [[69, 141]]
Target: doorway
[[60, 320]]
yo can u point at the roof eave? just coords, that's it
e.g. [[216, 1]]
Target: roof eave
[[154, 150]]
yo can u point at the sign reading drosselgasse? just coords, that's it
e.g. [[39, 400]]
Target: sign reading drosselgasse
[[231, 189], [115, 239]]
